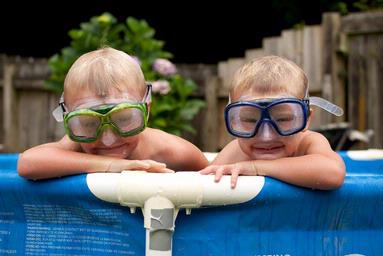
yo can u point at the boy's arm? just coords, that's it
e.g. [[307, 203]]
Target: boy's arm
[[178, 153], [187, 159], [63, 158], [231, 153], [317, 166]]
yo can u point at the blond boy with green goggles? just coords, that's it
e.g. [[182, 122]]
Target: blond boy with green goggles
[[105, 111]]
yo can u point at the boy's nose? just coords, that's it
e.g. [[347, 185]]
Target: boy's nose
[[108, 137], [266, 132]]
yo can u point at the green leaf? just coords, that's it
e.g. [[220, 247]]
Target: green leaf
[[191, 108], [159, 122]]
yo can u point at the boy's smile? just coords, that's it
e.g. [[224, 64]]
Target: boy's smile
[[256, 148], [122, 148], [271, 148]]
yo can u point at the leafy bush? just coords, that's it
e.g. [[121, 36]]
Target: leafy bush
[[344, 7], [172, 107]]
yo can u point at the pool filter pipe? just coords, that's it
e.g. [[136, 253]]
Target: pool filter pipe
[[162, 195]]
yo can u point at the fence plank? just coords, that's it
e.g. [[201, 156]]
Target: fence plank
[[11, 141], [374, 54], [363, 22], [365, 63], [357, 83], [272, 45], [312, 56], [292, 45], [229, 68], [211, 122], [333, 65], [33, 123], [223, 74], [254, 53]]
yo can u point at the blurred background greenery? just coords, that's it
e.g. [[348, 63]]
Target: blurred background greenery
[[173, 107]]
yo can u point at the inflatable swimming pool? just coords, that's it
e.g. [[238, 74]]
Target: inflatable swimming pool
[[63, 217]]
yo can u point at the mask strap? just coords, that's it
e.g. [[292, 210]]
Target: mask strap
[[148, 94], [148, 98], [58, 113]]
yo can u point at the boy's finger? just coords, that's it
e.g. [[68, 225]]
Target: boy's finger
[[138, 165], [155, 163], [160, 170], [218, 174], [168, 170], [208, 170], [234, 178]]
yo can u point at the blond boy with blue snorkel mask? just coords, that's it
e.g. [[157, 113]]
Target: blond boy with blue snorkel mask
[[105, 110], [269, 113]]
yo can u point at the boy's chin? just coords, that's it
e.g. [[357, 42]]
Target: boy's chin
[[271, 154], [118, 151]]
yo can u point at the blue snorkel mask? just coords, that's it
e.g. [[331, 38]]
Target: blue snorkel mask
[[287, 116]]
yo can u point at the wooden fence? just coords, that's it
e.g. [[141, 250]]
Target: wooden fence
[[365, 72], [26, 105], [343, 58]]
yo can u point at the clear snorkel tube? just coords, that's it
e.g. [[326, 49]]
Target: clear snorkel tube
[[326, 105]]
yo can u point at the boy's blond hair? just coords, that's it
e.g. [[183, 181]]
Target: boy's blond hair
[[269, 74], [105, 69]]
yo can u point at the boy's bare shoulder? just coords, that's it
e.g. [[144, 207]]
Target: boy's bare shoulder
[[68, 144], [64, 143], [310, 136], [165, 143], [161, 137], [176, 152], [312, 140]]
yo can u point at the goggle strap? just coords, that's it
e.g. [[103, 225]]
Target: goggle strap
[[326, 105], [58, 113], [148, 94]]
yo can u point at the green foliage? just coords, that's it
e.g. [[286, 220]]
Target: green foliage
[[360, 5], [172, 107], [367, 5], [340, 7]]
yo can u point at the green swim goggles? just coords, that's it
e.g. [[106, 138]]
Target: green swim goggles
[[125, 119]]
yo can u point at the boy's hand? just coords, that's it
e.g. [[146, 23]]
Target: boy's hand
[[137, 165], [242, 168]]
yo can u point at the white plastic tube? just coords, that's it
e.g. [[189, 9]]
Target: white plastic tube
[[161, 195], [183, 189]]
